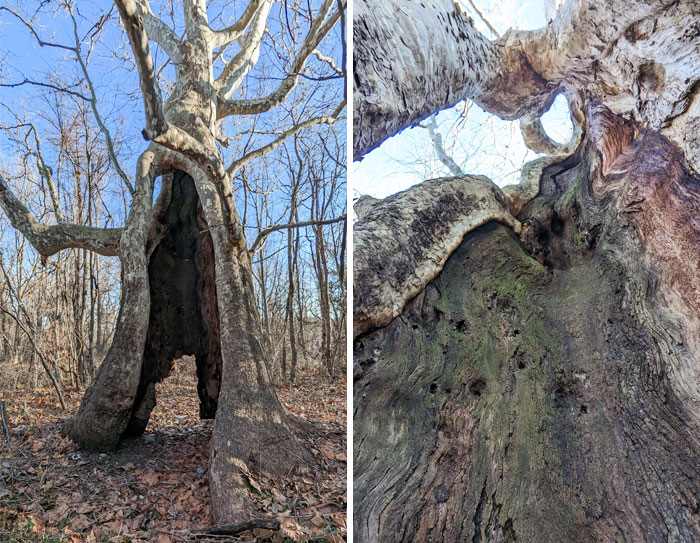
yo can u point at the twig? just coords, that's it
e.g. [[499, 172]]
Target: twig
[[235, 529], [262, 235], [5, 426], [481, 16], [186, 540]]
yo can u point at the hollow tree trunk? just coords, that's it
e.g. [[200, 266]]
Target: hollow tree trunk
[[545, 388], [538, 379], [184, 316], [177, 273], [206, 304]]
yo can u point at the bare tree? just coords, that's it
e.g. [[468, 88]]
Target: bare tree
[[187, 284]]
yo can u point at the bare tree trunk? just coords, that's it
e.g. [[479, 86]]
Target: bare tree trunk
[[291, 264], [207, 304]]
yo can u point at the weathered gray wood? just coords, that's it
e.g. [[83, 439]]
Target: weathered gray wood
[[540, 384]]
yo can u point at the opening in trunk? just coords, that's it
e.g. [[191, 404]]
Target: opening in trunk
[[184, 317]]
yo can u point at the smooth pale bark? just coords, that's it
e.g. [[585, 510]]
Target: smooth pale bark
[[639, 58], [106, 407], [49, 239]]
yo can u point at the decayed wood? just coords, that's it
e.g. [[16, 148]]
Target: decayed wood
[[235, 529], [402, 242], [530, 392], [545, 386]]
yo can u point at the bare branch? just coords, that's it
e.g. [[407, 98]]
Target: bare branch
[[318, 31], [39, 352], [235, 31], [264, 233], [436, 138], [44, 170], [481, 16], [160, 32], [93, 105], [233, 73], [152, 101], [46, 85], [327, 60], [284, 136], [48, 240], [26, 23], [47, 174]]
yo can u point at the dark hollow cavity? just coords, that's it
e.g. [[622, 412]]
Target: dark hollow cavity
[[184, 314]]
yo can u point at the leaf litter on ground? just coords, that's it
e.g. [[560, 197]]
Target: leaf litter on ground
[[155, 487]]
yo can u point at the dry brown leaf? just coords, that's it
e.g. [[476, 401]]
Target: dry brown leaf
[[289, 528], [318, 521], [150, 478]]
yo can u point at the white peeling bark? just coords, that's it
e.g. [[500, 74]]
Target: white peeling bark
[[235, 71], [152, 101], [520, 194], [413, 59], [235, 31], [402, 242], [320, 28], [160, 32], [639, 58]]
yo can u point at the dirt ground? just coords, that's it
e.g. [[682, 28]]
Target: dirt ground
[[155, 487]]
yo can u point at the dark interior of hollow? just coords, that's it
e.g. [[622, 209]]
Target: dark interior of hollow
[[184, 316]]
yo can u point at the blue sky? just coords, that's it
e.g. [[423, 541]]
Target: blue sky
[[479, 142], [121, 107], [116, 82]]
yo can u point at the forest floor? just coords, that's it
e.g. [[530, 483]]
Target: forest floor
[[155, 487]]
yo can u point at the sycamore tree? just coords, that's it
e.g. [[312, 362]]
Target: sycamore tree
[[527, 364], [187, 284]]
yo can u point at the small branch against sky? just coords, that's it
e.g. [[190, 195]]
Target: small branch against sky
[[436, 138], [484, 19], [93, 104], [263, 234]]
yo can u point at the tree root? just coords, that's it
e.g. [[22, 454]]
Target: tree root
[[238, 528]]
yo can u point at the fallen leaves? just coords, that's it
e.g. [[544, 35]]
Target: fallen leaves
[[155, 487]]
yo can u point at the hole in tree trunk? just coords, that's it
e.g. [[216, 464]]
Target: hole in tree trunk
[[556, 121], [184, 318]]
